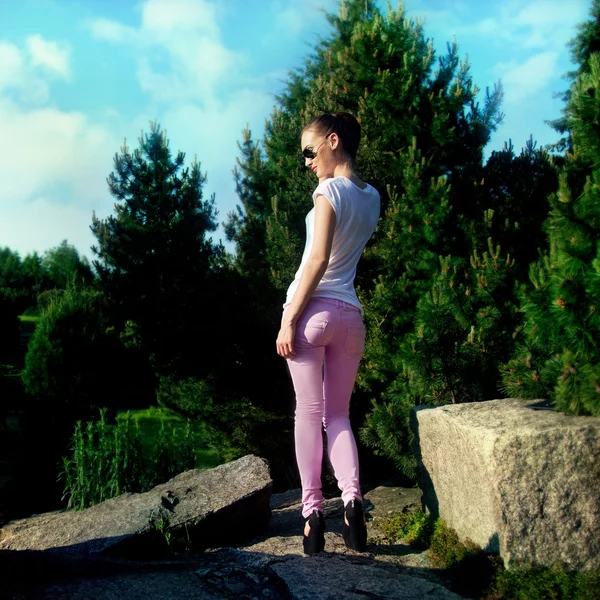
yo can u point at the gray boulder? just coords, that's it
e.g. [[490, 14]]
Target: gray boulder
[[197, 509], [516, 479]]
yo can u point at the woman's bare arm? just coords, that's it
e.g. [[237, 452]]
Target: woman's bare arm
[[313, 271]]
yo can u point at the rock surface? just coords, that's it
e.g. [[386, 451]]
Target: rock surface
[[516, 480], [199, 508], [270, 566], [330, 578]]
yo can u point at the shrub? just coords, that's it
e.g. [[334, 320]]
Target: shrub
[[535, 582], [74, 364]]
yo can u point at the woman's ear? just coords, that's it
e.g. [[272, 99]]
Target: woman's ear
[[334, 140]]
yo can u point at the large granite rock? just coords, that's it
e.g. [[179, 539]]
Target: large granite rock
[[518, 480], [196, 509]]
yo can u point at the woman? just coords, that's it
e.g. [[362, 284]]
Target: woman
[[322, 335]]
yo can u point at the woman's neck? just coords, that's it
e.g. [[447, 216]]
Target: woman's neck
[[343, 170]]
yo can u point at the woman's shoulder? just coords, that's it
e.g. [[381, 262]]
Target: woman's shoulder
[[326, 187]]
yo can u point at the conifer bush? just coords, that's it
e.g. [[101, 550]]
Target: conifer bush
[[559, 351]]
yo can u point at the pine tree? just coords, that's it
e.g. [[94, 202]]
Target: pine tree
[[247, 225], [423, 136], [257, 300], [378, 68], [453, 325], [582, 46], [559, 356], [406, 255], [512, 198], [177, 300], [154, 257]]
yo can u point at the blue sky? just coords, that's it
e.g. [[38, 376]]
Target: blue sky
[[77, 77]]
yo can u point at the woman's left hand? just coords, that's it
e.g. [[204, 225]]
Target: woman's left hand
[[285, 340]]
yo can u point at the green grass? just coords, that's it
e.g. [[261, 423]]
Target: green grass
[[29, 319], [151, 420], [141, 450], [9, 371]]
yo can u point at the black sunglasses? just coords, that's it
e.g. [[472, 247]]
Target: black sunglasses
[[311, 153]]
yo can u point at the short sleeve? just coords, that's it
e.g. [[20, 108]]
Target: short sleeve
[[328, 189]]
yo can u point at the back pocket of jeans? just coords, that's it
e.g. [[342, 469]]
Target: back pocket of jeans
[[314, 333], [355, 341]]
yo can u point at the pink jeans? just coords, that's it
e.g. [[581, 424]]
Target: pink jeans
[[329, 343]]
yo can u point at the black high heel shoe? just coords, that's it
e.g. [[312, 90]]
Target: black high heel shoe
[[315, 540], [355, 532]]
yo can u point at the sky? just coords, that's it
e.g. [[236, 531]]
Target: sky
[[79, 77]]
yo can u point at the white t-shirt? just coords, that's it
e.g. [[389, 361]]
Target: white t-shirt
[[357, 213]]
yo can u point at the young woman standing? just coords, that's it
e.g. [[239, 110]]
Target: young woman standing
[[322, 335]]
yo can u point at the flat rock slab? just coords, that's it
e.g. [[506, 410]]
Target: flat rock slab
[[331, 578], [386, 501], [167, 586], [226, 573], [285, 499], [516, 480], [199, 507]]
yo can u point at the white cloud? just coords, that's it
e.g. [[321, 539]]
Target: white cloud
[[544, 13], [42, 224], [295, 18], [22, 72], [178, 47], [11, 65], [111, 31], [49, 148], [51, 168], [165, 17], [18, 77], [52, 176], [196, 69], [539, 24], [528, 78], [487, 27], [549, 22], [50, 55], [53, 172], [212, 134]]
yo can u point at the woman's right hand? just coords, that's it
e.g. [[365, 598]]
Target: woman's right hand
[[285, 340]]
